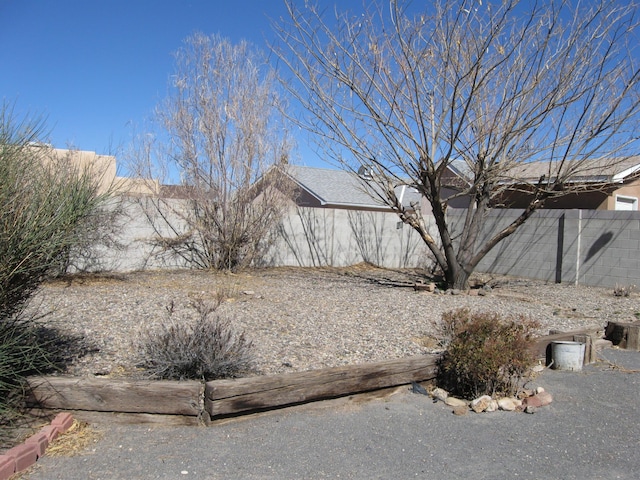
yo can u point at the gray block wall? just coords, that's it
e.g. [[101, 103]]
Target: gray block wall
[[609, 248], [587, 247], [311, 237]]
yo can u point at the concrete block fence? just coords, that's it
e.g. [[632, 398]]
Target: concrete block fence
[[582, 247]]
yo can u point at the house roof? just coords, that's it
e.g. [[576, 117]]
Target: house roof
[[600, 170], [340, 188]]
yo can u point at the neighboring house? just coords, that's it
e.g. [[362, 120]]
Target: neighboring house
[[328, 188], [103, 168], [599, 184]]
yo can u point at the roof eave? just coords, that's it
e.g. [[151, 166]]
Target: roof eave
[[619, 177]]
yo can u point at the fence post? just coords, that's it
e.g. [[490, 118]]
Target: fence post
[[579, 242], [560, 249]]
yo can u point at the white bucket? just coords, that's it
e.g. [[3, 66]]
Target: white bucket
[[567, 355]]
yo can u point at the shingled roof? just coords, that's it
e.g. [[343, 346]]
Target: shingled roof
[[343, 189]]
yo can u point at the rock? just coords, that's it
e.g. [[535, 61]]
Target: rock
[[531, 402], [485, 290], [539, 390], [439, 394], [545, 398], [417, 388], [480, 404], [507, 404], [460, 410], [530, 409], [493, 406], [538, 400], [456, 402], [524, 393], [537, 368], [453, 291], [248, 292]]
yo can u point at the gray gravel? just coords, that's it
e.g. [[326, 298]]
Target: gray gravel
[[590, 431], [302, 319]]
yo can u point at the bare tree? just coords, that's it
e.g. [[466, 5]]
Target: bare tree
[[487, 85], [218, 133]]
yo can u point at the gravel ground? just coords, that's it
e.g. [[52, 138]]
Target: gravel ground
[[302, 319]]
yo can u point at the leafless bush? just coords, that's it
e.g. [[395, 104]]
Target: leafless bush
[[221, 132], [206, 348], [623, 290]]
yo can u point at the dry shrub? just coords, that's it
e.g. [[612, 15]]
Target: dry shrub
[[206, 348], [623, 290], [486, 354]]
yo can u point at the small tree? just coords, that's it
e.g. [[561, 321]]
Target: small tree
[[219, 132], [404, 93]]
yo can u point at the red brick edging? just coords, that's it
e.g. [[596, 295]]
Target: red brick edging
[[22, 456]]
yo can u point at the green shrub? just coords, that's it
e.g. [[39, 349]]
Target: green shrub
[[20, 355], [45, 203], [29, 348], [206, 348], [486, 354]]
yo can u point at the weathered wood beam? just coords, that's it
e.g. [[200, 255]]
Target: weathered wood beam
[[120, 418], [116, 395], [542, 345], [227, 397], [150, 401], [624, 334]]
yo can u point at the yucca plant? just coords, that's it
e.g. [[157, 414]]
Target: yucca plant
[[45, 202]]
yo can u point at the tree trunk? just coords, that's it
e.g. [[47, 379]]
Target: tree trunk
[[459, 280]]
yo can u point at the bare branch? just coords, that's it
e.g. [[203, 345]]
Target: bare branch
[[483, 88], [218, 132]]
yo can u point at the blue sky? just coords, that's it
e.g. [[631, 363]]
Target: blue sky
[[94, 67]]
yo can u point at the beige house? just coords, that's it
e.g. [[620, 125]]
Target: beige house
[[103, 167], [599, 184]]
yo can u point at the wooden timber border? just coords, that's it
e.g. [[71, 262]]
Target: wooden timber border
[[102, 399]]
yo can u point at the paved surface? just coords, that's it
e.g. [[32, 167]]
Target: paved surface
[[590, 431]]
